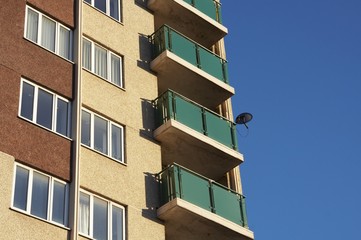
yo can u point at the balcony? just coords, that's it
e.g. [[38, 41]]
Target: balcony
[[189, 68], [194, 136], [201, 20], [202, 208]]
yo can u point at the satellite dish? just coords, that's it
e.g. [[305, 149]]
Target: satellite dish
[[244, 118]]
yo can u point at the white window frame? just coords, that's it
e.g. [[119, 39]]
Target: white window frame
[[50, 196], [57, 29], [109, 68], [109, 213], [109, 137], [35, 107], [107, 11]]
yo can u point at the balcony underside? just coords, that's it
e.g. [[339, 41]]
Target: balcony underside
[[193, 150], [187, 20], [190, 81], [184, 220]]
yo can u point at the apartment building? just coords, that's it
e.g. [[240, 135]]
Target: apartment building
[[116, 122]]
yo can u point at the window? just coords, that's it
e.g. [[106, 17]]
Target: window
[[102, 135], [40, 195], [45, 108], [109, 7], [100, 219], [102, 62], [48, 33]]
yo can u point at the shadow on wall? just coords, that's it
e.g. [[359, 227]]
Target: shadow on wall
[[145, 52], [148, 119], [151, 196]]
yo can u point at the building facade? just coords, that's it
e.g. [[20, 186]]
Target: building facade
[[116, 122]]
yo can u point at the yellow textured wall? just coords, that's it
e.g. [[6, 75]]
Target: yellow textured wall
[[16, 225], [130, 184]]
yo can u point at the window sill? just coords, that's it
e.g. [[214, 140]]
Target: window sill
[[106, 80], [105, 155], [47, 129], [41, 219], [69, 61]]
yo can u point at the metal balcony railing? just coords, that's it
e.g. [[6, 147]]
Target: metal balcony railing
[[171, 105], [166, 38], [178, 182], [211, 8]]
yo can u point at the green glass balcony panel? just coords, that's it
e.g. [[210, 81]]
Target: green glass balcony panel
[[171, 105], [189, 1], [227, 204], [208, 7], [183, 48], [211, 64], [177, 181], [166, 38], [195, 189], [219, 129], [189, 114]]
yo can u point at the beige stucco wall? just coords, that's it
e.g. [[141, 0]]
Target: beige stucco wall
[[130, 184], [16, 225]]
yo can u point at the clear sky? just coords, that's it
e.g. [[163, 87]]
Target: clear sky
[[296, 66]]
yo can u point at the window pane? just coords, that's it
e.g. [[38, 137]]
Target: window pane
[[100, 61], [48, 34], [100, 224], [86, 54], [115, 70], [32, 25], [27, 101], [88, 1], [64, 42], [84, 213], [45, 109], [85, 128], [100, 135], [21, 188], [59, 202], [117, 223], [116, 142], [101, 5], [39, 196], [114, 9], [62, 117]]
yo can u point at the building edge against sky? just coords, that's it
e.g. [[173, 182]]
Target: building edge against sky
[[116, 122]]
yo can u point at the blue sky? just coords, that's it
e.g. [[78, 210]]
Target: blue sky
[[296, 66]]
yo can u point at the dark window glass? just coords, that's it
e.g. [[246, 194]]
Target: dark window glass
[[59, 202], [116, 142], [100, 224], [21, 188], [100, 135], [85, 128], [101, 5], [62, 117], [27, 101], [45, 109], [117, 223], [114, 9], [39, 197]]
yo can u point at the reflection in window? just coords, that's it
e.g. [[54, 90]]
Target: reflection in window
[[51, 111], [45, 193], [39, 200], [109, 7], [100, 219], [53, 36], [102, 135], [102, 62], [45, 109]]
